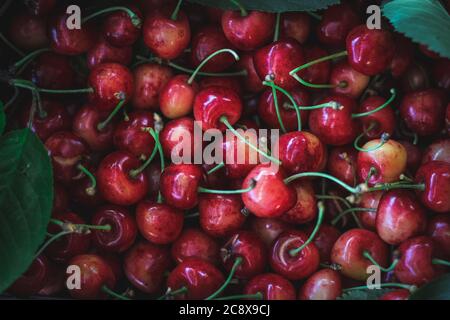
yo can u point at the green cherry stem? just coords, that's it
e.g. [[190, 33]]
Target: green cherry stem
[[50, 241], [320, 215], [255, 296], [217, 167], [30, 86], [239, 191], [135, 20], [345, 212], [114, 294], [277, 108], [441, 262], [29, 57], [322, 175], [155, 136], [276, 34], [135, 172], [175, 12], [11, 46], [330, 197], [102, 125], [372, 171], [171, 293], [79, 228], [384, 285], [244, 12], [236, 264], [92, 189], [314, 15], [384, 105], [368, 256], [383, 139]]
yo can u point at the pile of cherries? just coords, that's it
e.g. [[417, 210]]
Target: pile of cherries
[[360, 176]]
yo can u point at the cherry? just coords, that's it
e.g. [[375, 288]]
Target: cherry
[[229, 81], [317, 73], [268, 229], [370, 201], [441, 73], [83, 192], [342, 163], [423, 111], [123, 229], [403, 55], [382, 121], [439, 230], [272, 286], [295, 25], [28, 32], [270, 197], [428, 52], [54, 284], [52, 71], [248, 31], [415, 78], [221, 215], [149, 80], [144, 266], [298, 266], [103, 52], [158, 222], [199, 277], [347, 81], [194, 243], [32, 280], [337, 21], [305, 209], [413, 156], [348, 252], [324, 240], [153, 172], [436, 177], [252, 81], [277, 59], [177, 137], [370, 51], [325, 284], [400, 294], [176, 98], [40, 7], [95, 275], [437, 151], [179, 184], [116, 181], [120, 29], [60, 198]]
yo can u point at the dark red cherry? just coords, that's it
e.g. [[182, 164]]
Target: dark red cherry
[[52, 71], [199, 277], [95, 273], [325, 284], [439, 230], [32, 280], [212, 103], [144, 266], [149, 80], [272, 286], [436, 177], [81, 192], [324, 240], [437, 151], [176, 98], [158, 222], [268, 229], [28, 32], [248, 32], [382, 121], [370, 51], [60, 198], [233, 83], [40, 7], [115, 181], [403, 55], [347, 80], [54, 284], [317, 73], [400, 294], [123, 229], [277, 59], [441, 73], [305, 209], [342, 163], [252, 81], [415, 78], [194, 243], [221, 215], [119, 29], [369, 200], [177, 140], [104, 52], [153, 172], [295, 25], [413, 155]]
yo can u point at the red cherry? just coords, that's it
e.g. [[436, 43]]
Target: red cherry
[[316, 73], [324, 240], [439, 230], [296, 25], [52, 71], [144, 266], [348, 81], [294, 267], [436, 177], [272, 286], [369, 200], [123, 229], [54, 284], [370, 51], [233, 83], [153, 172], [400, 294], [441, 73], [60, 198], [103, 52], [403, 55], [82, 193], [325, 284], [32, 280], [119, 29], [415, 78], [194, 243], [382, 121], [252, 81], [342, 164], [437, 151], [158, 222], [28, 32], [176, 98], [413, 156], [305, 208], [268, 229], [115, 181], [177, 137]]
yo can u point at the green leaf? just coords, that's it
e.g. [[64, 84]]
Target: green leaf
[[364, 294], [424, 21], [2, 118], [438, 289], [271, 5], [26, 196]]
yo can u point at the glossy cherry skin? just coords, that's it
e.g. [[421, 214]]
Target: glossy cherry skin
[[337, 21], [149, 80], [252, 81], [369, 200], [221, 215], [441, 73], [270, 197], [165, 37], [335, 127], [116, 184], [194, 243], [347, 80], [437, 151], [399, 217], [349, 248], [295, 267], [119, 30], [158, 222], [272, 286], [400, 294], [123, 229], [342, 163], [267, 110], [66, 151], [318, 73], [295, 25], [70, 41], [248, 32], [370, 51], [95, 273], [389, 162], [81, 195], [277, 60], [177, 140], [305, 209], [208, 40], [54, 284], [176, 98], [436, 177], [415, 78], [324, 240], [212, 103], [33, 279], [129, 134], [200, 277], [268, 229], [70, 245], [179, 184], [439, 230], [103, 52], [111, 82], [384, 120], [415, 266], [52, 71], [325, 284], [28, 32], [144, 266], [424, 111]]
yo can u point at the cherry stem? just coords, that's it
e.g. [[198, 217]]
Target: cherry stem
[[244, 12], [135, 20], [30, 85], [322, 175], [114, 294], [367, 255], [217, 167], [384, 285], [314, 15], [11, 46], [239, 191], [236, 264], [134, 173], [276, 34], [192, 215], [155, 136], [171, 293], [205, 61], [29, 57], [92, 189], [79, 228], [12, 99], [345, 212], [320, 215], [293, 72], [397, 185], [383, 139], [50, 241], [332, 104], [384, 105], [441, 262], [102, 125], [330, 197], [224, 120], [277, 109], [255, 296], [174, 15], [372, 171]]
